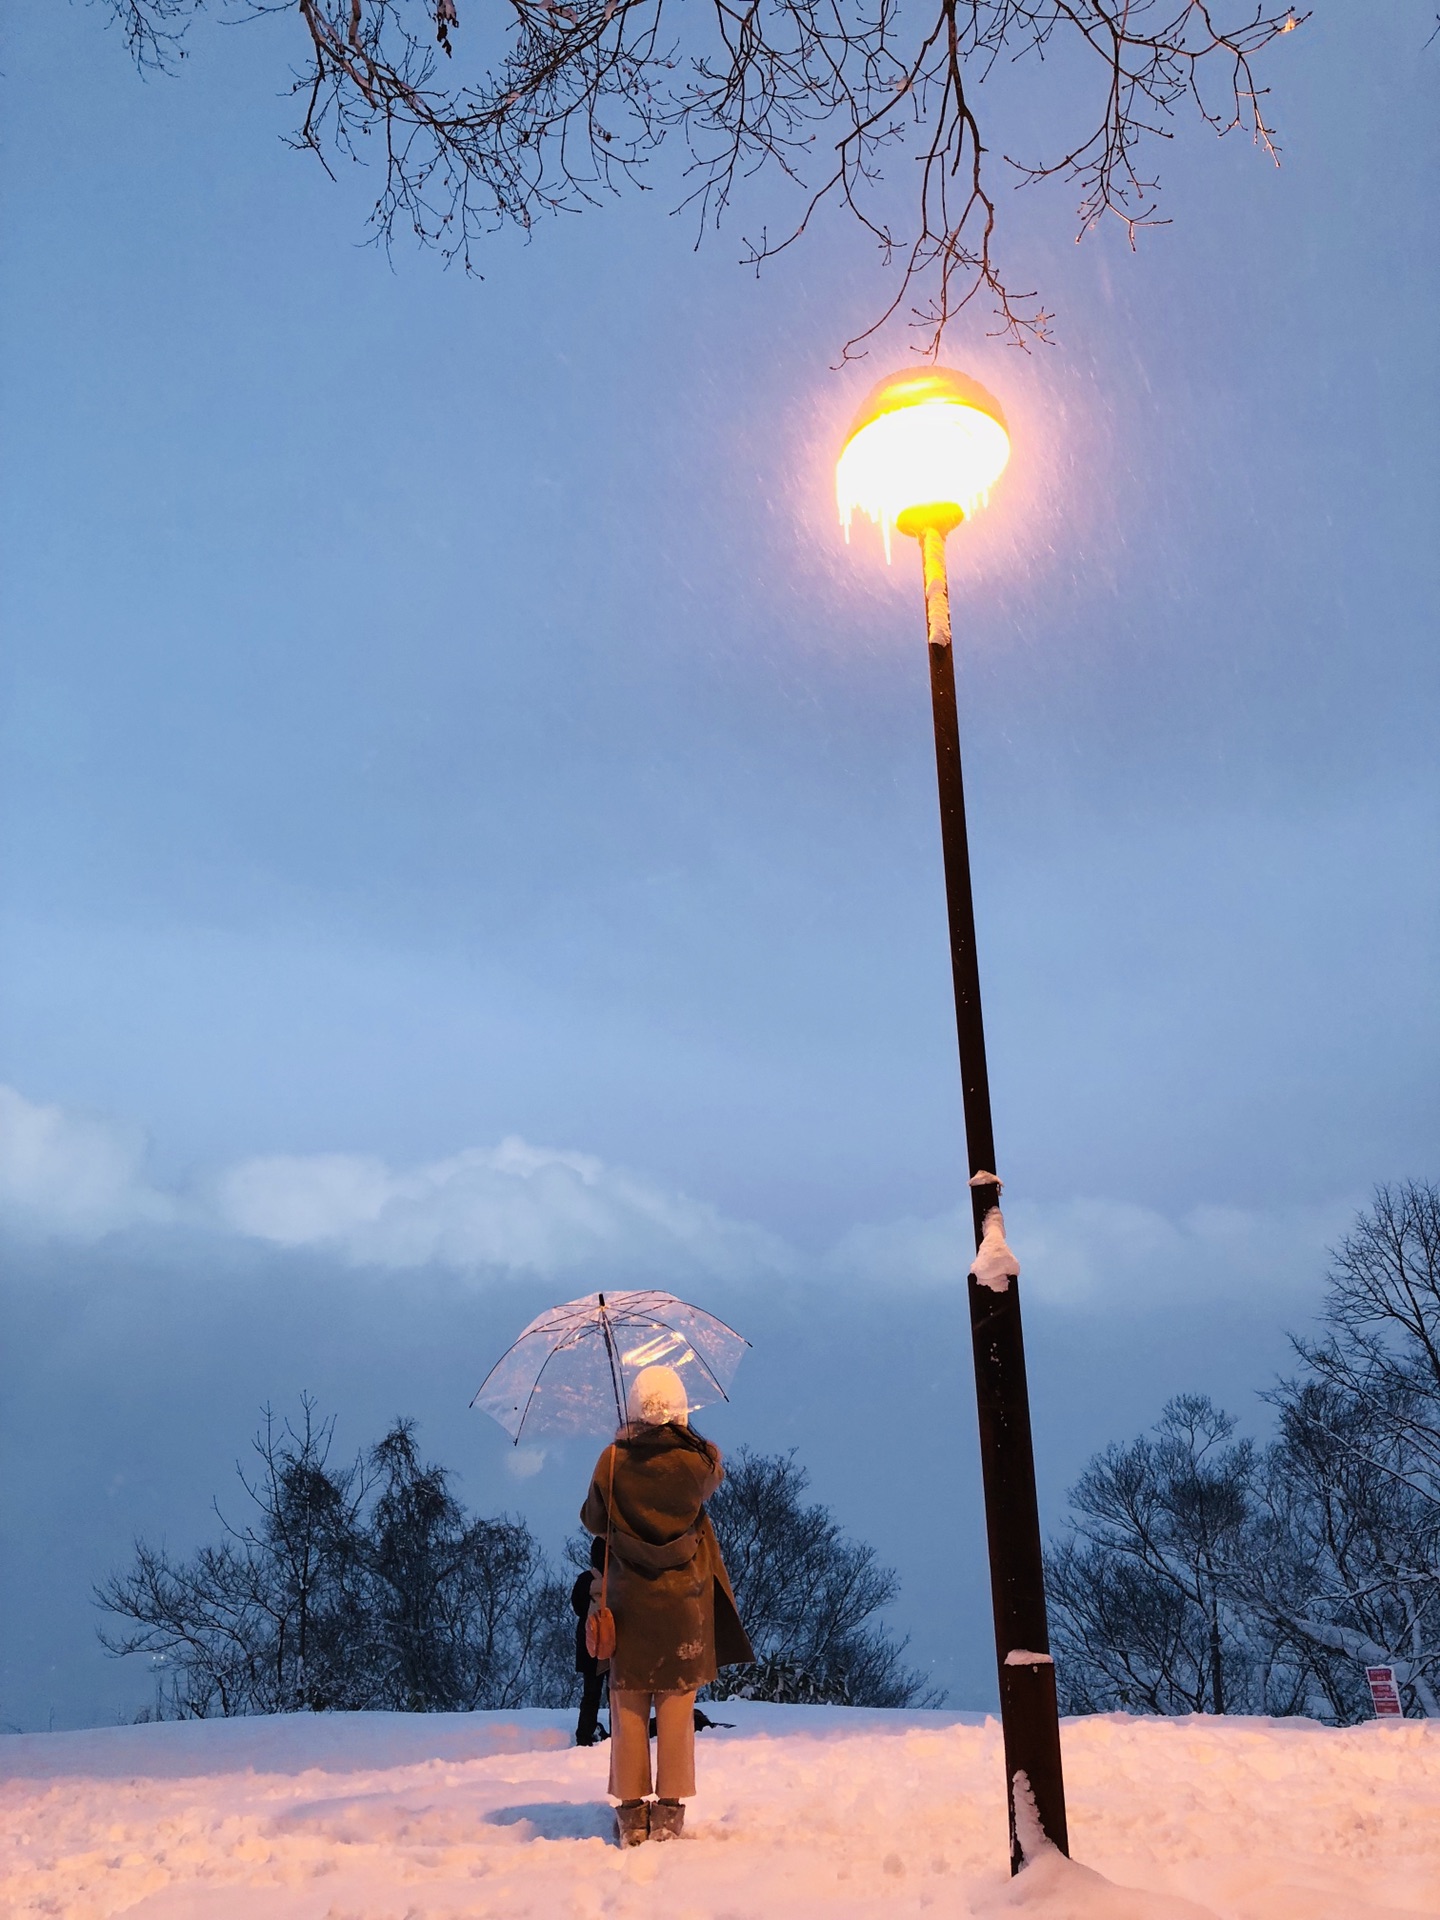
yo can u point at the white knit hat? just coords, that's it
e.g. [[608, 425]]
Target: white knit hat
[[657, 1395]]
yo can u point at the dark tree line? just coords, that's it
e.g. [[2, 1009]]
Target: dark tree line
[[480, 120], [366, 1585], [1205, 1574]]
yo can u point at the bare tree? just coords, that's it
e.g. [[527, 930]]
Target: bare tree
[[265, 1621], [1142, 1591], [561, 102], [1202, 1574], [808, 1595], [1381, 1346], [366, 1586], [1349, 1575], [463, 1613], [1356, 1475]]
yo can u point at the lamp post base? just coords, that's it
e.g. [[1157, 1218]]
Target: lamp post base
[[1029, 1712], [1029, 1716]]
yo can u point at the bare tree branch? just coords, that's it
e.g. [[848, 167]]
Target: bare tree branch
[[562, 104]]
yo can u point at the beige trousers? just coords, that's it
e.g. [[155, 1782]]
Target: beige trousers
[[630, 1745]]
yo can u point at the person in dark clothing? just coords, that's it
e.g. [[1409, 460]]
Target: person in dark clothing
[[588, 1729]]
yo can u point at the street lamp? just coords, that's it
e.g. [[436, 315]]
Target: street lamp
[[923, 453]]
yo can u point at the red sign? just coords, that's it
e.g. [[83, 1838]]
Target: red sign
[[1384, 1693]]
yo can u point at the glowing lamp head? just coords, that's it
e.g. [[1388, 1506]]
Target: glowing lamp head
[[925, 450]]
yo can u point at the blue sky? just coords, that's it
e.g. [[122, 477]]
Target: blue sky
[[438, 712]]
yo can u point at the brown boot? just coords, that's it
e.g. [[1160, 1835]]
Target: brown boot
[[667, 1819], [632, 1822]]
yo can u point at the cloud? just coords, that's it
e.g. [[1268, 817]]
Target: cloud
[[562, 1215], [524, 1208], [1106, 1252], [514, 1207], [69, 1175]]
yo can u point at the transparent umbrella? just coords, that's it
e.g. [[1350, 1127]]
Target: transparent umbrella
[[570, 1371]]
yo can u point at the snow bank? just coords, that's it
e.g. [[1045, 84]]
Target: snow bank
[[804, 1814]]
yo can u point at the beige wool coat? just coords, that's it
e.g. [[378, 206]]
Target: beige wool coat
[[676, 1623]]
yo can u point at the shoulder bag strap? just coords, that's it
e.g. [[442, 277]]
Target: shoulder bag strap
[[609, 1530]]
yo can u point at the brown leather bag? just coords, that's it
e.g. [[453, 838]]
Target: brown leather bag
[[600, 1633], [600, 1621]]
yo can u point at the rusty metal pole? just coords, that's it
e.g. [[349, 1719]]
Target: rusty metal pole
[[1028, 1710]]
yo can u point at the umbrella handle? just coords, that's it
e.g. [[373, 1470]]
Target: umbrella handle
[[616, 1372]]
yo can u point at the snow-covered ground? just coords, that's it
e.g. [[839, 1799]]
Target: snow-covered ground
[[804, 1814]]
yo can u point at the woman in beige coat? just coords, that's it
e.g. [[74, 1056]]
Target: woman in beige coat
[[675, 1617]]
